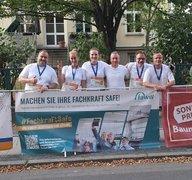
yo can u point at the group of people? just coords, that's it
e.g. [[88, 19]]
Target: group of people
[[96, 73], [107, 141], [104, 142]]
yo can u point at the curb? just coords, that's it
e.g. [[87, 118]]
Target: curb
[[109, 156]]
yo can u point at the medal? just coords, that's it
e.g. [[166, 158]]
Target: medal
[[95, 69], [40, 72], [158, 76], [140, 74]]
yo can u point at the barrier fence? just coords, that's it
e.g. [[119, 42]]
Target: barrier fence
[[95, 121]]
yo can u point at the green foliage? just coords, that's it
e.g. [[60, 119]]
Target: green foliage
[[84, 42], [14, 52], [174, 37]]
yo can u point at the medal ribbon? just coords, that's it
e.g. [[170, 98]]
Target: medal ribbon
[[95, 69], [158, 76], [74, 72], [140, 74], [40, 72]]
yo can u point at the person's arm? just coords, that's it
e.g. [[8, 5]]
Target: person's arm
[[52, 86], [83, 83], [153, 86], [25, 80], [96, 134], [61, 78], [169, 84]]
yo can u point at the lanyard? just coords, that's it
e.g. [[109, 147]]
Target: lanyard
[[74, 70], [40, 72], [158, 76], [95, 69], [140, 74]]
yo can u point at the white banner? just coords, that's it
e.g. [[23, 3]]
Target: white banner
[[64, 121], [6, 133], [81, 100]]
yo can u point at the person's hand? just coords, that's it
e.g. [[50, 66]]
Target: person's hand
[[43, 89], [159, 88], [33, 81], [59, 65]]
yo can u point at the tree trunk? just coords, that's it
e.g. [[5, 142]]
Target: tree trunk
[[107, 16]]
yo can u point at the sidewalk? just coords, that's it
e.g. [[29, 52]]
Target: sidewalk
[[14, 156]]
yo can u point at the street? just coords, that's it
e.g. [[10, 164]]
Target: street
[[168, 171]]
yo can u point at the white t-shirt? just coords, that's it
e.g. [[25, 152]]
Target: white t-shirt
[[136, 74], [95, 74], [116, 76], [164, 76], [44, 75], [73, 77]]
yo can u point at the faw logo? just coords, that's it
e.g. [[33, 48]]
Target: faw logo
[[140, 96]]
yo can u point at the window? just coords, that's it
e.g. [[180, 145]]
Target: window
[[27, 24], [133, 22], [131, 57], [54, 30], [83, 26]]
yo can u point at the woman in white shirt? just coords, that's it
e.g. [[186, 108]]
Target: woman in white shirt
[[95, 70], [72, 77]]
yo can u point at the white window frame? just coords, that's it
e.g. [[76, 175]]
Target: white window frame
[[24, 21], [55, 34], [134, 13]]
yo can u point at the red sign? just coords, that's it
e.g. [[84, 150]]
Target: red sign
[[177, 116]]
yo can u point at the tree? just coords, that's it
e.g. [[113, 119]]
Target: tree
[[83, 42], [106, 14], [173, 35], [14, 52], [174, 39], [149, 11]]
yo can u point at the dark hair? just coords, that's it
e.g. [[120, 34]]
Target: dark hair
[[140, 52], [43, 50]]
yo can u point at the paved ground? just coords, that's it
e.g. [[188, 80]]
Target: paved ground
[[14, 156]]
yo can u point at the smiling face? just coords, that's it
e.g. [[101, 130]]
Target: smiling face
[[104, 136], [157, 60], [125, 141], [94, 55], [115, 59], [42, 58], [110, 137], [140, 59], [73, 59]]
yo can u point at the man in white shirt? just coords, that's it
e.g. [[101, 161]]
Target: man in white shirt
[[137, 70], [39, 76], [116, 73], [158, 77]]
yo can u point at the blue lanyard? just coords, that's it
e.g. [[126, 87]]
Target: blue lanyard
[[95, 70], [74, 72], [40, 72], [158, 76], [140, 74]]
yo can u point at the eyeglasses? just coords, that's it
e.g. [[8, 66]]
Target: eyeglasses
[[141, 58]]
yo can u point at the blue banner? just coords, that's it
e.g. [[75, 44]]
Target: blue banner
[[87, 121]]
